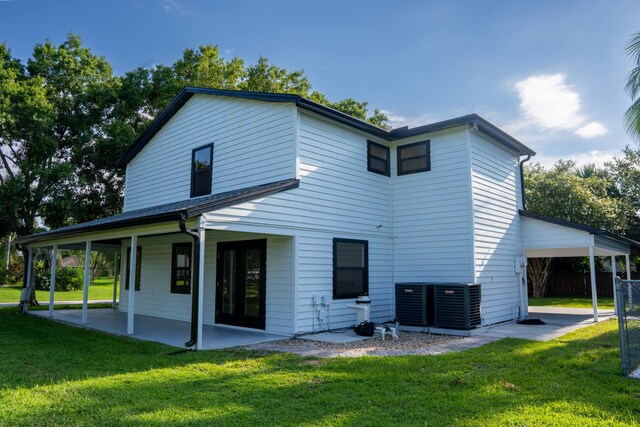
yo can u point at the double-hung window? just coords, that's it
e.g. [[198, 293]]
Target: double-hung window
[[201, 167], [350, 268], [378, 158], [181, 268], [414, 157]]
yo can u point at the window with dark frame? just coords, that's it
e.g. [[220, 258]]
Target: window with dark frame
[[413, 158], [201, 167], [181, 268], [350, 268], [378, 158], [138, 264]]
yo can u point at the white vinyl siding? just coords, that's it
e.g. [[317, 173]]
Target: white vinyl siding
[[497, 227], [337, 198], [432, 216], [253, 143]]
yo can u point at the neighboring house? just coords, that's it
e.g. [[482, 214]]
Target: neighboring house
[[255, 210]]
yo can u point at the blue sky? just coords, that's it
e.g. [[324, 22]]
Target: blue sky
[[551, 73]]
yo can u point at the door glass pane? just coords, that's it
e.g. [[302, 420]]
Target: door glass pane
[[252, 293], [229, 282]]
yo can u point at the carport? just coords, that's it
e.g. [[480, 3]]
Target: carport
[[545, 237]]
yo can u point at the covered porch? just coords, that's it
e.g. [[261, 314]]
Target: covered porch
[[166, 331], [546, 237], [177, 265]]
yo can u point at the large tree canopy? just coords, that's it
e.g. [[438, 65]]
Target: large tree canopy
[[52, 113], [65, 119], [586, 195]]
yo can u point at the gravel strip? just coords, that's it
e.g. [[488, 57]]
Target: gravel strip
[[408, 343]]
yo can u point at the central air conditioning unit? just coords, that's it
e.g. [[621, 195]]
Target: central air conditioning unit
[[414, 304], [457, 306]]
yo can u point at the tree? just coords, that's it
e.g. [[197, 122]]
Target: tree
[[53, 109], [587, 196], [632, 115], [625, 172]]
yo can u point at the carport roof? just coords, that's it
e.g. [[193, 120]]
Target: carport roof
[[551, 237]]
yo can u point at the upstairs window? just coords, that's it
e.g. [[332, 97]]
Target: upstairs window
[[414, 158], [138, 264], [181, 268], [350, 268], [201, 163], [378, 159]]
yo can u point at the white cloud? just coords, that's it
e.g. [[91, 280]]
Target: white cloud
[[397, 120], [591, 130], [174, 6], [548, 103]]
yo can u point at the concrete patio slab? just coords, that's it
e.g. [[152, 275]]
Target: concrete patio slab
[[166, 331], [558, 321]]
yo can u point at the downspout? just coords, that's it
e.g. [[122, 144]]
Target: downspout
[[522, 276], [195, 279], [524, 200]]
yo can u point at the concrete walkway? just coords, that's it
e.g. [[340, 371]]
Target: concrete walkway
[[558, 321]]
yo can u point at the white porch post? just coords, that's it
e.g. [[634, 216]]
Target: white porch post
[[613, 278], [116, 268], [202, 233], [132, 284], [87, 278], [52, 288], [594, 294]]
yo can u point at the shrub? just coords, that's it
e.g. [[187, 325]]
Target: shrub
[[12, 276], [67, 278]]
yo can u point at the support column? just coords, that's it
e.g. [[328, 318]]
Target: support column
[[116, 268], [200, 284], [613, 278], [132, 284], [87, 279], [52, 288], [594, 292]]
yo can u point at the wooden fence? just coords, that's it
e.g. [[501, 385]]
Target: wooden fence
[[563, 284]]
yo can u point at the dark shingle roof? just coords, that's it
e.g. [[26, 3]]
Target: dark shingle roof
[[389, 135], [168, 211]]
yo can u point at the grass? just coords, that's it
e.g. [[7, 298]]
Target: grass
[[100, 289], [579, 302], [52, 374]]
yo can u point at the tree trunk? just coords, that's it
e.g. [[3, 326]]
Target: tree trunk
[[7, 252], [539, 270]]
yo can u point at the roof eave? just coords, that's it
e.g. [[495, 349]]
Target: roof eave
[[151, 219]]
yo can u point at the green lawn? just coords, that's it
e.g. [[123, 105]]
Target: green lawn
[[580, 302], [52, 374], [101, 288]]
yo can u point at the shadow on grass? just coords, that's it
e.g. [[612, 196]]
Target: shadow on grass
[[54, 374]]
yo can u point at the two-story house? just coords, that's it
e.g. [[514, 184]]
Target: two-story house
[[273, 212]]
